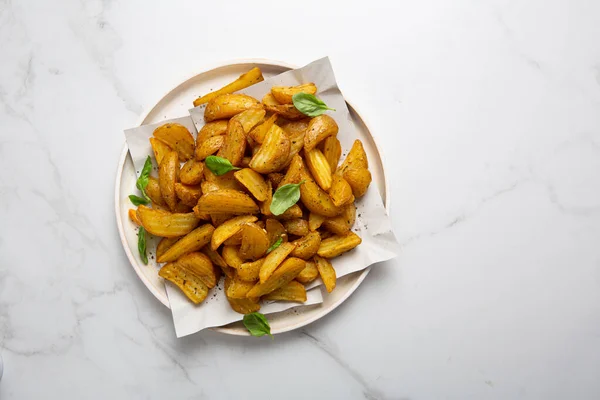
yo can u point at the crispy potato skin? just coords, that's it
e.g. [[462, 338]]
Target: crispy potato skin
[[228, 105], [166, 224], [273, 153], [284, 94], [318, 130], [177, 137], [168, 175], [226, 201]]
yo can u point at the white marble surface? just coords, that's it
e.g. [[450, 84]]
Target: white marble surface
[[489, 116]]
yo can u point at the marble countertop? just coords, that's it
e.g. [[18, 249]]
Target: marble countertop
[[488, 114]]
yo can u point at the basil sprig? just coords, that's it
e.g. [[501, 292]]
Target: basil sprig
[[309, 104], [257, 324], [275, 245], [142, 244], [141, 184], [219, 165], [285, 197]]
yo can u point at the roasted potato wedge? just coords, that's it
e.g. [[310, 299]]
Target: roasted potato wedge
[[209, 147], [191, 172], [159, 148], [286, 272], [307, 246], [359, 180], [315, 221], [164, 245], [168, 175], [191, 242], [153, 191], [319, 168], [258, 133], [226, 181], [238, 288], [188, 195], [337, 225], [275, 230], [316, 200], [245, 80], [235, 240], [294, 172], [226, 201], [318, 130], [133, 217], [235, 143], [275, 178], [332, 150], [229, 228], [265, 206], [296, 128], [211, 129], [215, 257], [178, 138], [249, 271], [190, 284], [255, 242], [296, 144], [270, 100], [341, 191], [183, 208], [309, 273], [232, 257], [294, 212], [356, 158], [273, 153], [200, 265], [250, 118], [228, 105], [292, 291], [166, 224], [298, 226], [242, 306], [254, 182], [336, 245], [274, 258], [327, 273], [284, 94]]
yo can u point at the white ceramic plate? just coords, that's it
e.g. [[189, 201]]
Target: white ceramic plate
[[175, 104]]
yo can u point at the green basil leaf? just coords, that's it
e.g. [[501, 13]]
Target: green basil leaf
[[309, 104], [257, 324], [142, 181], [136, 200], [142, 244], [275, 245], [219, 165], [285, 197]]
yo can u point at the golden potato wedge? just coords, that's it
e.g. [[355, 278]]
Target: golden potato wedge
[[255, 242], [231, 256], [356, 158], [246, 162], [316, 200], [188, 195], [275, 178], [153, 191], [211, 129], [214, 256], [238, 288], [178, 138], [309, 273], [245, 80], [332, 150], [258, 133], [229, 228], [168, 175], [275, 230], [318, 130], [182, 208], [286, 272], [273, 153], [307, 246], [160, 149], [207, 187], [235, 240], [284, 94], [292, 291], [242, 306], [349, 214], [228, 105], [273, 259], [250, 118], [190, 284], [359, 180], [325, 235], [218, 219], [336, 245], [296, 144], [341, 191], [164, 245], [327, 273], [315, 221], [337, 225], [166, 224], [200, 265], [226, 201], [225, 181], [265, 206], [298, 226], [191, 172], [294, 212], [249, 271], [133, 217], [209, 147], [191, 242], [296, 128], [235, 143], [319, 167], [287, 111], [270, 100], [254, 182], [294, 172]]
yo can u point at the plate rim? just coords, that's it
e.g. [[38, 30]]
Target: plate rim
[[123, 158]]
